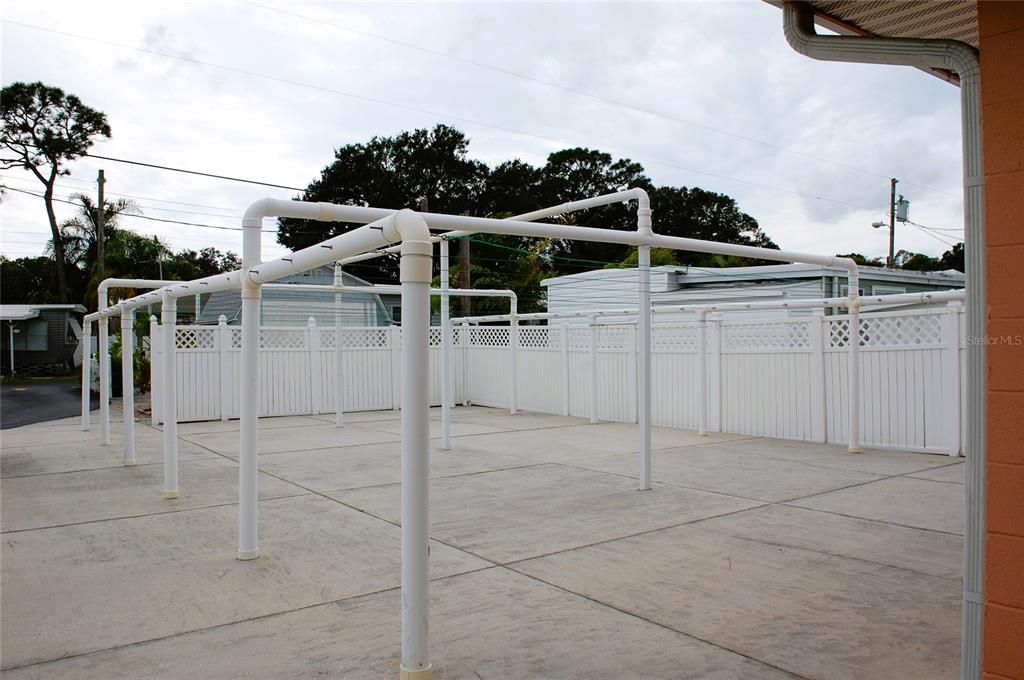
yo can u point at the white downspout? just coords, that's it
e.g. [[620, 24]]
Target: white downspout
[[963, 59]]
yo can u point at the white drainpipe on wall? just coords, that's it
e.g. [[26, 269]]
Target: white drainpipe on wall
[[798, 23]]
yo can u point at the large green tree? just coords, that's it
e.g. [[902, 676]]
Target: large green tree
[[396, 171], [393, 172], [41, 130]]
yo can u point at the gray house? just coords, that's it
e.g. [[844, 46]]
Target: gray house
[[681, 285], [294, 307], [40, 339]]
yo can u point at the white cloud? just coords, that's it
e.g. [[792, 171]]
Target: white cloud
[[722, 66]]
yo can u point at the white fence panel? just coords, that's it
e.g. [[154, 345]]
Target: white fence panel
[[782, 378]]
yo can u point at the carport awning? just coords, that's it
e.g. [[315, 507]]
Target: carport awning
[[18, 312]]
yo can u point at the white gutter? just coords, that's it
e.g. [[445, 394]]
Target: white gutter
[[798, 25]]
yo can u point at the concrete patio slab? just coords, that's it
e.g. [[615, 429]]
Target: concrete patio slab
[[458, 428], [815, 615], [572, 443], [351, 467], [514, 514], [278, 439], [92, 495], [207, 426], [524, 420], [920, 503], [874, 461], [747, 474], [925, 552], [88, 454], [487, 624], [93, 586], [953, 474], [736, 589]]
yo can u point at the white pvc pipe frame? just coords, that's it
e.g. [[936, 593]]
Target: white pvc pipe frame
[[443, 292], [381, 228], [127, 313], [798, 27]]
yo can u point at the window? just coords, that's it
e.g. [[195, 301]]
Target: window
[[887, 290], [844, 290], [396, 313], [31, 335]]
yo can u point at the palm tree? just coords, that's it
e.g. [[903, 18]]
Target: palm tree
[[80, 234]]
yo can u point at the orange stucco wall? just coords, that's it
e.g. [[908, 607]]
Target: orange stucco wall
[[1001, 27]]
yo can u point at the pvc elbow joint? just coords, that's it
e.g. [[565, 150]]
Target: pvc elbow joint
[[417, 249]]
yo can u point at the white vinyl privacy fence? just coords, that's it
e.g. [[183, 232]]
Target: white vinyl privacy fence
[[783, 378]]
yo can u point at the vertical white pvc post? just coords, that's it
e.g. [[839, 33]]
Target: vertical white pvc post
[[643, 402], [128, 383], [339, 391], [396, 367], [315, 373], [224, 357], [156, 353], [702, 371], [951, 377], [564, 342], [415, 278], [715, 372], [816, 336], [248, 396], [593, 368], [464, 340], [103, 355], [853, 372], [446, 344], [169, 402], [513, 347], [86, 371]]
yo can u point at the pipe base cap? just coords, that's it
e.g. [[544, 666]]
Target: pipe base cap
[[857, 450], [247, 554], [424, 674], [170, 494]]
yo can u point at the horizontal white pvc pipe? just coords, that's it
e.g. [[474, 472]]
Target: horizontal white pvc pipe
[[561, 209], [391, 290]]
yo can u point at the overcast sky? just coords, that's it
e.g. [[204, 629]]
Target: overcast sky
[[805, 147]]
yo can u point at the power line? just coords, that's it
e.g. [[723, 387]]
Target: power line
[[133, 198], [146, 217], [383, 102], [566, 88], [193, 172], [960, 229]]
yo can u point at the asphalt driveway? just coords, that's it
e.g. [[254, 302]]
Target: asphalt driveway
[[36, 402]]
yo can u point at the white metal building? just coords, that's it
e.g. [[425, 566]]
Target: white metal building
[[682, 285]]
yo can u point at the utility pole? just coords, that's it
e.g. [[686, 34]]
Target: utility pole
[[100, 214], [464, 302], [891, 261]]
